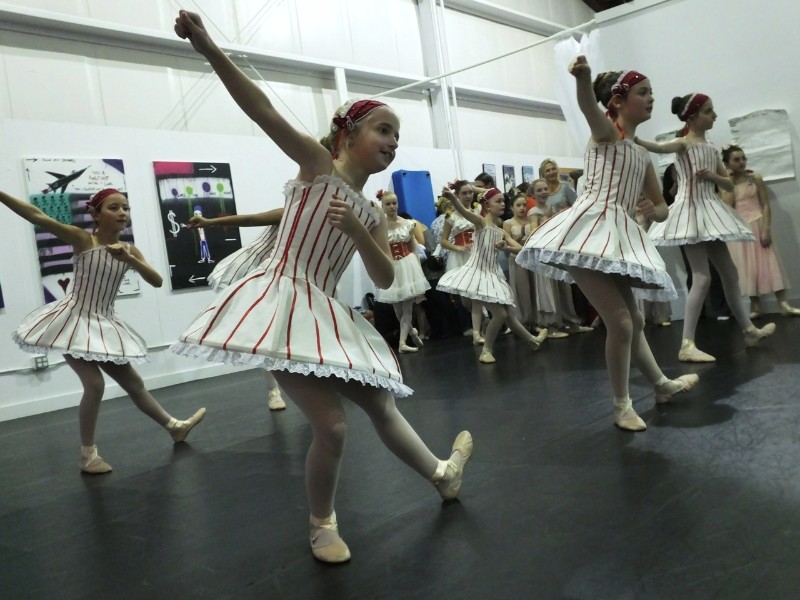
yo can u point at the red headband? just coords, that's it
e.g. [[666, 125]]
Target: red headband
[[346, 118], [489, 194], [694, 104], [379, 194], [355, 112], [96, 200], [626, 81]]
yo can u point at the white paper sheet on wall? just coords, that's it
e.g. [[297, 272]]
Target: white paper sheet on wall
[[766, 138]]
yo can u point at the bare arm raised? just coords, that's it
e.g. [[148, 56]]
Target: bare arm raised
[[312, 158], [602, 128], [79, 239], [470, 216]]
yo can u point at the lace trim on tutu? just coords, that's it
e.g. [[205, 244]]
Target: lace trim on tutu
[[475, 296], [728, 237], [550, 263], [117, 360], [242, 359], [362, 200]]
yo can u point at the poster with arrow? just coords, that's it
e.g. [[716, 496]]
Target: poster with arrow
[[61, 187], [186, 189]]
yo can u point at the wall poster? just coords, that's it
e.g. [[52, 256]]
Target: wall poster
[[186, 189], [509, 179], [60, 187]]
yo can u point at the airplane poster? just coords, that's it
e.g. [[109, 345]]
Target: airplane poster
[[61, 187], [186, 189]]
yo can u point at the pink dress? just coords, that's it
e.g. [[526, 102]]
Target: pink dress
[[698, 213], [244, 261], [760, 270], [83, 324], [283, 316], [480, 278], [597, 232]]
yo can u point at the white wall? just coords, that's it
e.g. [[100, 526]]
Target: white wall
[[742, 54], [78, 82]]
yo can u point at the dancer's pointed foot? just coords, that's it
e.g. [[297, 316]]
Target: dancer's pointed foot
[[628, 420], [180, 429], [275, 401], [536, 340], [684, 383], [416, 338], [753, 335], [787, 310], [404, 348], [477, 339], [93, 463], [486, 357], [326, 543], [691, 353], [449, 474]]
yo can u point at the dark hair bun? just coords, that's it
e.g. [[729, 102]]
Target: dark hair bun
[[678, 104]]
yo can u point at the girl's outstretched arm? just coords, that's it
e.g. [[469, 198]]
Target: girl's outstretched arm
[[470, 216], [75, 236], [264, 219], [675, 145], [302, 148], [602, 128]]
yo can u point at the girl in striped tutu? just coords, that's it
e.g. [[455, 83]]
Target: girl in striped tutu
[[283, 316], [243, 262], [409, 284], [480, 278], [83, 325], [702, 223], [457, 237], [597, 244]]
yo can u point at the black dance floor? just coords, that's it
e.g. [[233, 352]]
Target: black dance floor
[[556, 502]]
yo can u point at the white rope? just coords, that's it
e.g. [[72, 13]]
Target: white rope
[[554, 37]]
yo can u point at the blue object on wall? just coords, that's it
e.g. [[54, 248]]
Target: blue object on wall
[[415, 195]]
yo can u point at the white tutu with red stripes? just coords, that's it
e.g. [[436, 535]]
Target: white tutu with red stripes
[[83, 324], [282, 316], [597, 232], [698, 213], [244, 261], [481, 277], [409, 280]]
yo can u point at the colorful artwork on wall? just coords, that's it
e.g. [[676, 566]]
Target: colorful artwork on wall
[[186, 189], [61, 187]]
